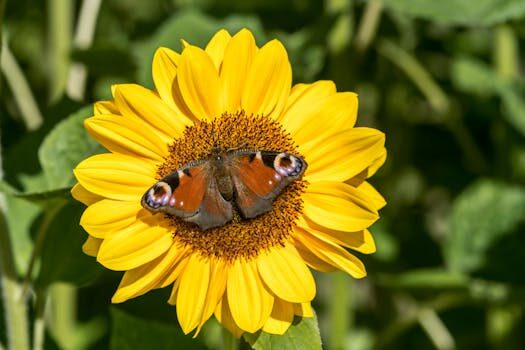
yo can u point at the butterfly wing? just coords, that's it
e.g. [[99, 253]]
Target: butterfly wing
[[190, 193], [260, 176]]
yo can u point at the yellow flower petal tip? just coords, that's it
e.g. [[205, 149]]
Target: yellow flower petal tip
[[304, 185]]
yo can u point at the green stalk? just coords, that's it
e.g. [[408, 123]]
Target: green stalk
[[436, 330], [340, 309], [417, 73], [437, 99], [368, 25], [14, 307], [19, 86], [84, 33], [39, 322], [51, 211], [506, 52], [60, 26], [228, 340], [63, 314]]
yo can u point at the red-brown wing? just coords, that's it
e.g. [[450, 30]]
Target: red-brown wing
[[254, 174], [214, 210], [260, 176], [180, 193], [190, 193]]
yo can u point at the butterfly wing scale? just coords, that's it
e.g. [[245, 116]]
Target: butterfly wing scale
[[190, 193], [260, 176]]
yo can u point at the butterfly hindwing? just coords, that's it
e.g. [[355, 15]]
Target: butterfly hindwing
[[202, 191], [260, 176], [190, 193]]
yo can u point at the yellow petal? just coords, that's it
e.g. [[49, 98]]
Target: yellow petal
[[184, 44], [84, 196], [311, 259], [268, 81], [135, 101], [217, 45], [335, 114], [91, 246], [106, 216], [174, 274], [142, 279], [303, 309], [216, 289], [135, 245], [125, 136], [338, 206], [224, 316], [191, 296], [237, 62], [377, 163], [199, 84], [249, 300], [343, 155], [304, 100], [105, 107], [281, 317], [361, 241], [286, 275], [374, 196], [164, 71], [116, 176], [331, 253]]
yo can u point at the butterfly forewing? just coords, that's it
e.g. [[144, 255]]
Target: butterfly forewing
[[200, 192], [260, 176]]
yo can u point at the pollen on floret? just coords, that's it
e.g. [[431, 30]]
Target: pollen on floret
[[240, 238]]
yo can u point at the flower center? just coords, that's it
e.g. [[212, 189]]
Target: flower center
[[239, 238]]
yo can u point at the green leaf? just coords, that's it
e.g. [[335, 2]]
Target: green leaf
[[425, 279], [62, 258], [37, 196], [21, 215], [484, 214], [474, 76], [513, 97], [460, 12], [303, 334], [130, 332], [64, 147], [192, 26]]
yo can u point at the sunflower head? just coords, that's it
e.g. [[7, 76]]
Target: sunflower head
[[251, 271]]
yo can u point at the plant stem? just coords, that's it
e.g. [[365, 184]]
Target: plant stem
[[63, 314], [60, 22], [51, 211], [39, 323], [340, 309], [15, 309], [436, 330], [87, 20], [417, 73], [506, 53], [368, 25], [19, 86], [437, 99], [229, 342], [411, 313]]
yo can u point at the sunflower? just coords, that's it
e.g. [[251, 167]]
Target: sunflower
[[251, 274]]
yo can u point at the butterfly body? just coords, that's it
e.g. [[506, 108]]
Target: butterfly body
[[206, 191]]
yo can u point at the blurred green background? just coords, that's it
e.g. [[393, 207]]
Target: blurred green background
[[443, 79]]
